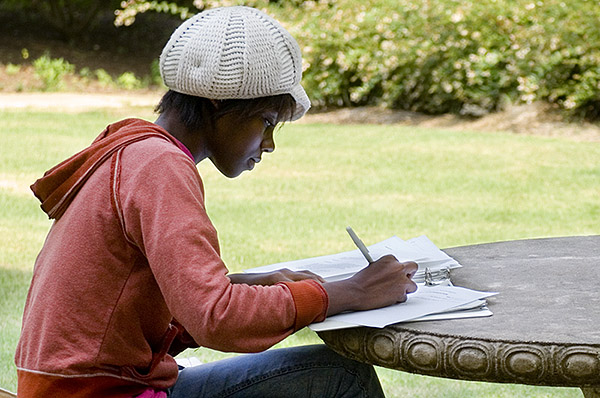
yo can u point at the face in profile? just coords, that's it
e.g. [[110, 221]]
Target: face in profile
[[237, 144]]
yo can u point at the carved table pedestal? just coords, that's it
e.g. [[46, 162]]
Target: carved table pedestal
[[545, 329]]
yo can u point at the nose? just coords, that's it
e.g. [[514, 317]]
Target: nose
[[268, 149], [268, 144]]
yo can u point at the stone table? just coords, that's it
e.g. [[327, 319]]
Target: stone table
[[545, 329]]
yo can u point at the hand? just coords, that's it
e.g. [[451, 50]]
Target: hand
[[271, 278], [384, 282]]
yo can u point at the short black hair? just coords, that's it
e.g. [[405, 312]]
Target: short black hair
[[198, 112]]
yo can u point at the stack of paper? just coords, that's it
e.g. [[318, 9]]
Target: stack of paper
[[343, 265], [442, 301], [427, 303]]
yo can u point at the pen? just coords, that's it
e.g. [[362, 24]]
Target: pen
[[361, 246]]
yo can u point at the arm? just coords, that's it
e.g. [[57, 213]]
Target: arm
[[271, 278], [384, 282], [167, 221]]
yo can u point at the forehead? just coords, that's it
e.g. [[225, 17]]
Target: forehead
[[270, 115], [279, 106]]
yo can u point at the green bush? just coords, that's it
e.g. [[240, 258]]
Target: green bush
[[86, 74], [52, 71], [12, 69], [103, 77], [463, 56], [129, 81]]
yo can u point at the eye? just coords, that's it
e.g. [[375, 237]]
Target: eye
[[270, 119], [268, 123]]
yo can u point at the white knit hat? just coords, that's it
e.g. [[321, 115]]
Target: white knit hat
[[234, 53]]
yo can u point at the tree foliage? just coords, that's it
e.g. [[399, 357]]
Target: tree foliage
[[129, 9], [72, 19], [463, 56]]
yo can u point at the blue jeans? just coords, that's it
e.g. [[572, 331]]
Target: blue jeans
[[305, 371]]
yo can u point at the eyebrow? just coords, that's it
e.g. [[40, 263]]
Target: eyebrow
[[272, 116]]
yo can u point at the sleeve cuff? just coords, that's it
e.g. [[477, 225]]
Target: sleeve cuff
[[311, 301]]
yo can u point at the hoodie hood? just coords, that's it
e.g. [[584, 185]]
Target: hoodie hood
[[59, 185]]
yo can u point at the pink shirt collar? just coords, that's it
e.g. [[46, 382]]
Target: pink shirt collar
[[185, 150]]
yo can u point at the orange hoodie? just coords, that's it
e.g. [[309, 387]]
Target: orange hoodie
[[131, 250]]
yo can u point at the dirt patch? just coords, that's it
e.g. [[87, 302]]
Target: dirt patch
[[532, 119], [77, 102]]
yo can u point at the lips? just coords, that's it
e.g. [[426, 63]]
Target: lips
[[252, 162]]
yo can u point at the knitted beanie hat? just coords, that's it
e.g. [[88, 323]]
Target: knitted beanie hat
[[234, 53]]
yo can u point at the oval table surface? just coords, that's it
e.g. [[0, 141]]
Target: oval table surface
[[545, 327]]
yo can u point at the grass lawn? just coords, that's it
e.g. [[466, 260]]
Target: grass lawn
[[458, 188]]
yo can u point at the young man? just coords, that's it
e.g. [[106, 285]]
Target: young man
[[130, 273]]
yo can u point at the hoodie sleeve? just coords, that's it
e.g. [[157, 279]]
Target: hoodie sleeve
[[160, 200]]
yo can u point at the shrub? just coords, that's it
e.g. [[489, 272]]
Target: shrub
[[52, 71], [12, 69], [86, 73], [463, 56], [104, 78], [129, 81]]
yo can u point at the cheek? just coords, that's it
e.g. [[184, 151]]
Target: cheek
[[236, 145], [250, 143], [243, 149], [228, 167]]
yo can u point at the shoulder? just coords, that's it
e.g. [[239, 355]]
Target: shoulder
[[154, 146], [155, 152], [156, 160], [145, 141]]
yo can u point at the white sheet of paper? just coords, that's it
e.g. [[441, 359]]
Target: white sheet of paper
[[473, 313], [426, 300], [442, 300], [343, 265], [480, 312]]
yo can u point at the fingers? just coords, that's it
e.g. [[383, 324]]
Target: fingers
[[393, 278], [294, 276], [409, 265], [410, 268], [301, 275], [407, 268]]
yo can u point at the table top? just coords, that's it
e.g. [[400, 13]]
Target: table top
[[545, 329]]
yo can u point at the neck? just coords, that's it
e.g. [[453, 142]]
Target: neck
[[193, 140]]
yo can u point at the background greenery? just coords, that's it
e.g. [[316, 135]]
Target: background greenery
[[468, 57], [461, 56], [458, 188]]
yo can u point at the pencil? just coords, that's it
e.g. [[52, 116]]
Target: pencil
[[361, 246]]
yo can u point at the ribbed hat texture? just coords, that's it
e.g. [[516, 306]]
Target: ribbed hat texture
[[234, 53]]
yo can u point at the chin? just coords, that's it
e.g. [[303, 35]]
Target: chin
[[227, 172], [231, 173]]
